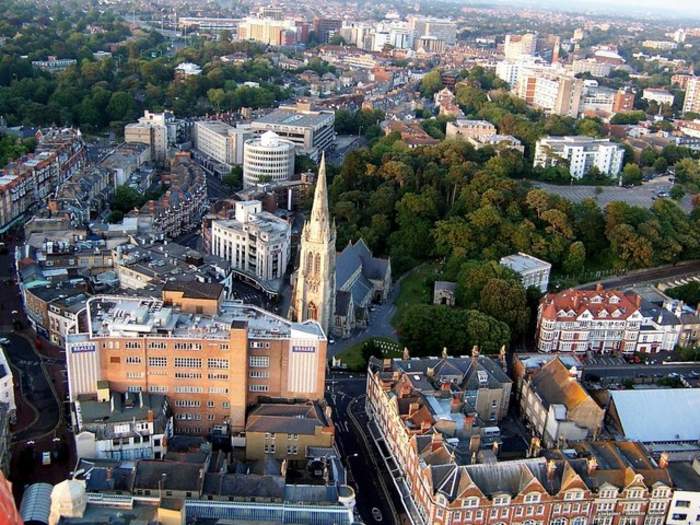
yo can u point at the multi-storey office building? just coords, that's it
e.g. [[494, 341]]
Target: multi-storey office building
[[311, 132], [269, 31], [551, 91], [268, 159], [256, 243], [220, 142], [517, 46], [210, 367], [600, 483], [581, 153]]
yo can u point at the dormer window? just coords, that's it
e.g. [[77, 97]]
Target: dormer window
[[603, 314], [501, 500], [573, 495], [614, 299], [470, 503], [532, 497], [596, 299]]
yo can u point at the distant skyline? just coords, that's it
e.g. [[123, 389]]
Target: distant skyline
[[671, 8]]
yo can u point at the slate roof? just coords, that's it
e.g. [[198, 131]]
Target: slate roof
[[464, 369], [195, 289], [297, 418], [245, 485], [356, 256], [343, 300], [173, 475]]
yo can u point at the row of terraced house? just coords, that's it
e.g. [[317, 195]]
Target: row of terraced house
[[435, 419], [32, 179]]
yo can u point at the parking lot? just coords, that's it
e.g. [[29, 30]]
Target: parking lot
[[642, 196]]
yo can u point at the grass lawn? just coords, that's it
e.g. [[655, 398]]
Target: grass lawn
[[352, 357], [416, 288]]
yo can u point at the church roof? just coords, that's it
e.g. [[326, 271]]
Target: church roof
[[343, 300], [356, 256]]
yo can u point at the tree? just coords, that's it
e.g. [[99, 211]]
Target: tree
[[647, 157], [631, 174], [660, 165], [126, 199], [575, 259], [677, 192], [431, 83], [120, 105], [506, 301], [234, 178]]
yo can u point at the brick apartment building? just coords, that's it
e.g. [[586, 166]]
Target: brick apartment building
[[211, 367], [589, 483], [606, 321]]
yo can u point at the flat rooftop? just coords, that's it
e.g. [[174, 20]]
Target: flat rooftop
[[115, 316], [284, 117], [521, 262]]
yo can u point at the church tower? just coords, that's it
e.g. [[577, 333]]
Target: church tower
[[314, 290]]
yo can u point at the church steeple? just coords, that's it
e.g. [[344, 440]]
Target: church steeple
[[319, 224], [314, 289]]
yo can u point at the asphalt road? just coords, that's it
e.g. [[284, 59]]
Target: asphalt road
[[341, 389], [35, 388]]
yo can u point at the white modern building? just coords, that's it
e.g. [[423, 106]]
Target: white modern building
[[7, 385], [312, 132], [581, 153], [256, 243], [516, 46], [440, 28], [267, 159], [220, 142], [660, 96], [532, 271]]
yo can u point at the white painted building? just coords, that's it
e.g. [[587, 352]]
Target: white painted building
[[256, 243], [532, 271], [660, 96], [221, 142], [7, 385], [581, 153], [133, 425], [267, 159]]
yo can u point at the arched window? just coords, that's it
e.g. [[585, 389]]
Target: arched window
[[558, 521], [309, 267], [312, 312], [317, 269], [578, 521]]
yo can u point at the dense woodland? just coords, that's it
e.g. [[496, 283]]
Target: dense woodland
[[95, 95]]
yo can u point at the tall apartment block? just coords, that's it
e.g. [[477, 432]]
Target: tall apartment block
[[692, 96], [153, 130], [210, 367]]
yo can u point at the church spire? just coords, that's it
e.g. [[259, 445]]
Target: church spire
[[319, 210]]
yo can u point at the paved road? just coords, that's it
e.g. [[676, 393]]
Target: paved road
[[638, 196], [652, 275], [35, 388], [341, 390]]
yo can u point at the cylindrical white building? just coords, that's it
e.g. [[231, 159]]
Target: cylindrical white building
[[267, 158]]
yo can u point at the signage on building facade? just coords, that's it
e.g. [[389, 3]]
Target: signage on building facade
[[83, 347], [304, 349]]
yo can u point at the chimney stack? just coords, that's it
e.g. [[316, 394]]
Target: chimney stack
[[599, 287], [551, 468], [591, 464], [663, 460], [406, 354]]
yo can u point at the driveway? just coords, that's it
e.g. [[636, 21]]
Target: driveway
[[641, 196]]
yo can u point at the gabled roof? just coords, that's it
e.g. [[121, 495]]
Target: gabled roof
[[358, 256]]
